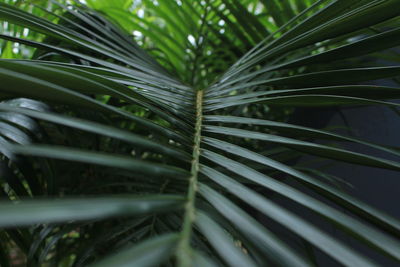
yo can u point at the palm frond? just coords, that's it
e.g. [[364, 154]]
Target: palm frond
[[168, 148]]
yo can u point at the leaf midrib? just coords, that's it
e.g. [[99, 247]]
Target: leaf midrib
[[184, 250]]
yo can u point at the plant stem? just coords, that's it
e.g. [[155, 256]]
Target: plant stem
[[200, 41], [184, 251]]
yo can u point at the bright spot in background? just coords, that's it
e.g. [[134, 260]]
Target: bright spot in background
[[25, 32], [192, 40], [140, 13], [137, 34]]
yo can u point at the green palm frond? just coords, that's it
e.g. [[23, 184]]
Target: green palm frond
[[169, 147]]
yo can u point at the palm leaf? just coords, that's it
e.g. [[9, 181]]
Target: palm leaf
[[176, 146]]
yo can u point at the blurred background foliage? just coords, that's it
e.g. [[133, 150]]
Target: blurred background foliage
[[214, 36], [231, 29]]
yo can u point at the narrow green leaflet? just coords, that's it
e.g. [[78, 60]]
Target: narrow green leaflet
[[30, 212], [308, 147], [148, 253], [100, 158], [98, 129], [222, 242]]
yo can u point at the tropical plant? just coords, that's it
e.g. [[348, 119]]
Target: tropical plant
[[172, 146]]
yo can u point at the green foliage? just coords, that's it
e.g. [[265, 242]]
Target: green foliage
[[146, 133]]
